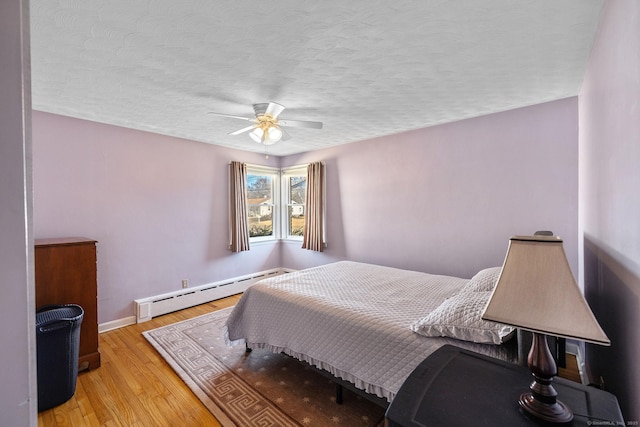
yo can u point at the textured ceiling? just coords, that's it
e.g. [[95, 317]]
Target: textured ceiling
[[364, 68]]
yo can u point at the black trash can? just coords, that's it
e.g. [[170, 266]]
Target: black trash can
[[58, 346]]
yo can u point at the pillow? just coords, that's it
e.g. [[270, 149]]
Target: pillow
[[460, 317], [484, 280]]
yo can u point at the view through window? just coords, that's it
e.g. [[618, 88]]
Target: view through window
[[295, 191], [276, 202], [260, 204]]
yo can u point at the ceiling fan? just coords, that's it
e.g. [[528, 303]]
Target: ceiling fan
[[266, 127]]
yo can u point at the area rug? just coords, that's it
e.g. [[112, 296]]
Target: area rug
[[259, 388]]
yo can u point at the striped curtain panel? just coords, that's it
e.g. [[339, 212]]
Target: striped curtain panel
[[238, 225], [313, 238]]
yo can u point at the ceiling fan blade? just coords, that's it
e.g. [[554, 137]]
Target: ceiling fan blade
[[229, 115], [285, 135], [300, 124], [243, 130], [274, 109]]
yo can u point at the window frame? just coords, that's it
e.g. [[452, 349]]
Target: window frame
[[274, 173], [285, 201], [281, 201]]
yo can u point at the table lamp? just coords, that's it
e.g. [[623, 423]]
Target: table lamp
[[536, 291]]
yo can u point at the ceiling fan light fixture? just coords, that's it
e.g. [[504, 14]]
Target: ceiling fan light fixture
[[256, 135], [266, 124], [274, 134]]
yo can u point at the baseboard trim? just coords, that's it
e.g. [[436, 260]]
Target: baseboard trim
[[234, 286], [147, 308], [116, 324]]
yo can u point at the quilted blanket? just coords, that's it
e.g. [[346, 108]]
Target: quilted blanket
[[351, 319]]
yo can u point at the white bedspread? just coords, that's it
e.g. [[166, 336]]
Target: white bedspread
[[349, 318]]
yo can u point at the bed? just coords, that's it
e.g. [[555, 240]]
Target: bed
[[367, 324]]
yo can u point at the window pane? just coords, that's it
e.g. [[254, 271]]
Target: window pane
[[260, 220], [296, 205], [296, 220], [260, 205], [259, 187], [297, 189]]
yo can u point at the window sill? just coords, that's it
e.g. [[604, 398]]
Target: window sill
[[292, 240], [289, 241], [263, 242]]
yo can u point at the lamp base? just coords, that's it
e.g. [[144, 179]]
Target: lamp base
[[556, 412], [541, 401]]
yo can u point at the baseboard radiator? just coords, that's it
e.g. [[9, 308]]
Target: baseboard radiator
[[148, 308]]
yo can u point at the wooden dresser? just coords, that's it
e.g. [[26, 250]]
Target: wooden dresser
[[66, 273]]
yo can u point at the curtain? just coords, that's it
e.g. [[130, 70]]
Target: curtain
[[238, 225], [313, 238]]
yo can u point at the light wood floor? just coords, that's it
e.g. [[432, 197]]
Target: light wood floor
[[134, 386], [571, 371]]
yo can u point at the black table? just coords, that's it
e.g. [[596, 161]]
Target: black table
[[456, 387]]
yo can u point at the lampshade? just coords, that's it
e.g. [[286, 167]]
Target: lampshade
[[536, 291], [273, 134], [266, 133], [257, 134]]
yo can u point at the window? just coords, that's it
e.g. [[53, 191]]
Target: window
[[262, 197], [294, 186], [276, 202]]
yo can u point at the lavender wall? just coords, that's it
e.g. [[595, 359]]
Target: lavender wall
[[443, 199], [157, 206], [446, 199], [610, 199], [18, 392]]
